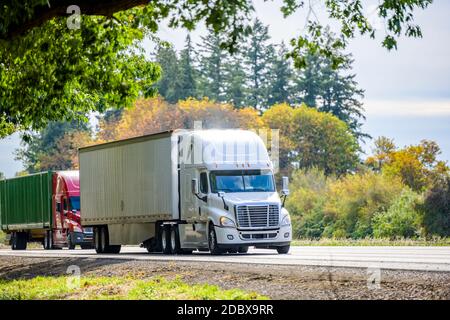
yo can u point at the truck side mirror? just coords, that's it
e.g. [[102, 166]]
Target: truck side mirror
[[285, 186], [194, 186]]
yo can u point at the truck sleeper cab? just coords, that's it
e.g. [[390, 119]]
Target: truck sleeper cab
[[180, 191]]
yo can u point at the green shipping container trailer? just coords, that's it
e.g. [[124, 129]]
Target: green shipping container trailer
[[26, 202]]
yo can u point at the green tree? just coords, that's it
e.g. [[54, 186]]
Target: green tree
[[401, 220], [2, 175], [235, 81], [332, 90], [310, 138], [257, 54], [45, 142], [212, 67], [169, 84], [436, 209], [280, 77], [187, 72], [56, 74]]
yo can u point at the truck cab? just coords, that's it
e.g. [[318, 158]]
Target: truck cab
[[67, 230], [228, 198]]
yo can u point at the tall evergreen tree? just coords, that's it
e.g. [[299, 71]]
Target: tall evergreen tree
[[187, 71], [280, 77], [212, 67], [235, 81], [332, 90], [257, 55], [168, 85]]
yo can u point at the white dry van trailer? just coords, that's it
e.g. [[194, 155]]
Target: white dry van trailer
[[178, 191]]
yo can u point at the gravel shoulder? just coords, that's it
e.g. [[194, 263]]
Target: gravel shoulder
[[277, 282]]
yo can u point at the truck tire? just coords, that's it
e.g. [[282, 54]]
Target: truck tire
[[104, 242], [98, 240], [283, 249], [48, 240], [212, 241], [19, 241], [165, 240], [69, 242], [243, 249], [174, 240]]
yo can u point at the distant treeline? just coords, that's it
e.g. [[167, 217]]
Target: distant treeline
[[259, 75]]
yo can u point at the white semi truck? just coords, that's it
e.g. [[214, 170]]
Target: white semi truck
[[178, 191]]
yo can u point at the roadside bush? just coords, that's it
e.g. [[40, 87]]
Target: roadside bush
[[306, 202], [436, 210], [324, 206], [353, 200], [401, 220]]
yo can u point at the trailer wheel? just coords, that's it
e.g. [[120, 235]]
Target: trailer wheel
[[174, 240], [165, 240], [19, 241], [98, 240], [104, 239], [104, 242], [212, 241]]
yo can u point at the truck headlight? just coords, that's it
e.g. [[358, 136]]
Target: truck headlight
[[227, 222], [286, 221]]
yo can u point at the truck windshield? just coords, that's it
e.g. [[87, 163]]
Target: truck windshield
[[242, 181], [75, 203]]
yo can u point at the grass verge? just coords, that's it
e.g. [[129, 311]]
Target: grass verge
[[115, 288], [439, 242]]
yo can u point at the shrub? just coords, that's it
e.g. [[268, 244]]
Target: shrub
[[401, 220], [436, 210], [353, 200]]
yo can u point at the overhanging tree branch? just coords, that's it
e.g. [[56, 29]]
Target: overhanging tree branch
[[43, 13]]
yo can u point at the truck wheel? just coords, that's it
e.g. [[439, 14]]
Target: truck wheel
[[283, 249], [165, 240], [104, 239], [104, 242], [46, 246], [48, 240], [98, 240], [212, 241], [69, 242], [243, 249], [174, 240], [19, 241]]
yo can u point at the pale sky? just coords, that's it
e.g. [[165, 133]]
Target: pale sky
[[407, 91]]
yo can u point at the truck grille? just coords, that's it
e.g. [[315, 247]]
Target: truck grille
[[258, 216]]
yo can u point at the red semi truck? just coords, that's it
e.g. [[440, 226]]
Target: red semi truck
[[43, 207]]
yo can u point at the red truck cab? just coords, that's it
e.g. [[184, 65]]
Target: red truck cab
[[67, 230]]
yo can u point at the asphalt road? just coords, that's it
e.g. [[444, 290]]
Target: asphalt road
[[395, 258]]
